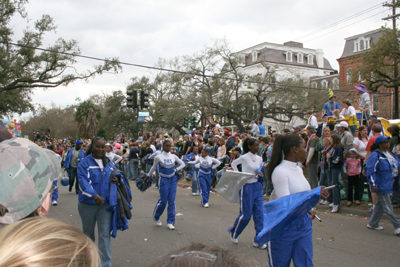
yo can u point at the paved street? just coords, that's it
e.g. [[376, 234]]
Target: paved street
[[340, 240]]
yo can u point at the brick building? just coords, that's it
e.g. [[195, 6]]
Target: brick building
[[348, 62]]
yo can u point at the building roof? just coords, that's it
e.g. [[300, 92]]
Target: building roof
[[349, 47], [276, 53]]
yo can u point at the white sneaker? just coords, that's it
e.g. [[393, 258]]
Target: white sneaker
[[397, 231], [233, 240], [194, 194], [206, 205], [335, 208], [322, 202], [257, 246], [380, 228], [331, 205], [170, 226], [54, 203], [326, 202], [159, 223]]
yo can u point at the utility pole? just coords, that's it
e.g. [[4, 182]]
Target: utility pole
[[393, 6]]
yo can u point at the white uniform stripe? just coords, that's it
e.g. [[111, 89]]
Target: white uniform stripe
[[241, 210], [270, 254]]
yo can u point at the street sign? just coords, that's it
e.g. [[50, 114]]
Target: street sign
[[140, 119], [144, 114]]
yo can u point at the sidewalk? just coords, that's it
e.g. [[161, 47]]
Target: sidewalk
[[360, 210]]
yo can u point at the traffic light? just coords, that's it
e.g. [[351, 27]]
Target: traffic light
[[131, 100], [193, 123], [186, 123], [144, 99], [269, 130]]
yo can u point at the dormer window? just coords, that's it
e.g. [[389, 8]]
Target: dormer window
[[310, 59], [324, 84], [254, 55], [289, 56], [362, 43], [300, 58]]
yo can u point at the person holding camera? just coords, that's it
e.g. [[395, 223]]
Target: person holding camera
[[74, 156]]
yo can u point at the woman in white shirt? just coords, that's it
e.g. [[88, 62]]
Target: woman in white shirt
[[288, 178], [349, 111], [251, 197]]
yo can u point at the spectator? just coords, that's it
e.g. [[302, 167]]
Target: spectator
[[337, 116], [46, 242], [233, 154], [382, 167], [330, 106], [230, 143], [349, 111], [297, 130], [261, 128], [365, 102], [312, 157], [286, 132], [336, 162], [371, 122], [264, 144], [326, 177], [394, 131], [72, 160], [221, 149], [187, 148], [134, 161], [254, 128], [352, 167], [323, 125], [360, 144], [312, 120], [347, 141]]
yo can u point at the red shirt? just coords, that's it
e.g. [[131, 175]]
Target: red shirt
[[370, 142]]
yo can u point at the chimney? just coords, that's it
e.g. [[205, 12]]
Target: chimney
[[320, 58]]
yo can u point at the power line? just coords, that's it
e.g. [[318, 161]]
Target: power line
[[171, 70], [346, 26], [342, 20]]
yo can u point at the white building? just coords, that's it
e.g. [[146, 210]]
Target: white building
[[290, 60]]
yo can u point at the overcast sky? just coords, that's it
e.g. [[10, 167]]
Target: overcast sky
[[141, 32]]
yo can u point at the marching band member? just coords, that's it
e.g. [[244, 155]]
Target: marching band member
[[206, 164], [251, 197], [165, 162]]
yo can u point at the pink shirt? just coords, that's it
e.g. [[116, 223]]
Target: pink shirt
[[353, 166]]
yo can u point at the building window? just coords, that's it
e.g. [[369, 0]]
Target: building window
[[324, 84], [254, 56], [300, 58], [366, 44], [310, 59], [335, 84], [362, 45], [314, 85], [289, 56], [375, 103], [349, 75]]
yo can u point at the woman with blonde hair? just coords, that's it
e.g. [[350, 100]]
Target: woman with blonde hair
[[45, 242]]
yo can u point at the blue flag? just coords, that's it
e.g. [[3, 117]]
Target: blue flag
[[280, 213]]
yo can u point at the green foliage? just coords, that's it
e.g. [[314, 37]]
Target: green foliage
[[24, 68], [376, 66]]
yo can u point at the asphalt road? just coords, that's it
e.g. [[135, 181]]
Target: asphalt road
[[340, 240]]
